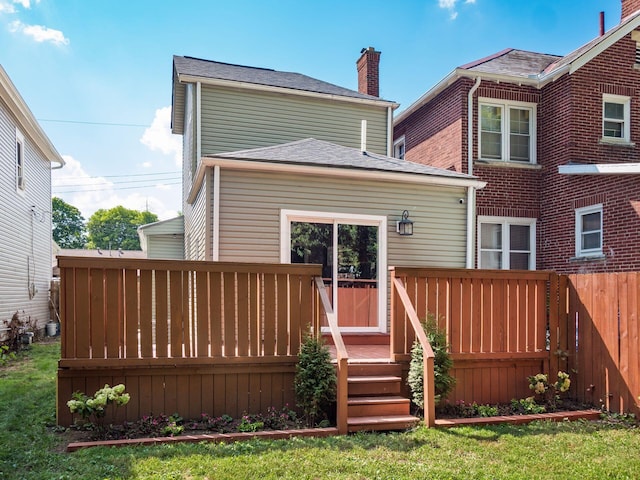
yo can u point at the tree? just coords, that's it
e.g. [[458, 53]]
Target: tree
[[117, 228], [69, 230]]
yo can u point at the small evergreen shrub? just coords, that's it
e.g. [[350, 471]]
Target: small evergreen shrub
[[315, 380], [442, 363]]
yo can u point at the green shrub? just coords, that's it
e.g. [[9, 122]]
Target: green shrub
[[315, 380], [442, 363]]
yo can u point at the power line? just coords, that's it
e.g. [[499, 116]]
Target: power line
[[116, 183], [116, 188], [136, 174], [80, 122]]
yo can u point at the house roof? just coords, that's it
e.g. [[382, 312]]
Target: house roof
[[191, 70], [170, 226], [326, 154], [318, 157], [528, 68], [26, 121]]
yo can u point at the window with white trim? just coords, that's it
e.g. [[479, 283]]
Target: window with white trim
[[398, 148], [20, 183], [616, 118], [506, 243], [589, 231], [507, 131]]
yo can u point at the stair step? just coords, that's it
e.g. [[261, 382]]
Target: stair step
[[374, 369], [386, 422], [377, 406], [374, 385]]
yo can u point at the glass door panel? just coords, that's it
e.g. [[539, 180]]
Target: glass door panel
[[357, 276], [349, 258]]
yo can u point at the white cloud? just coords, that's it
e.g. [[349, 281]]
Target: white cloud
[[76, 186], [147, 164], [6, 7], [158, 136], [39, 33], [450, 5]]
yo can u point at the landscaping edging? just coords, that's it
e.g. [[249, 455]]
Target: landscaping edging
[[520, 419], [210, 437], [331, 431]]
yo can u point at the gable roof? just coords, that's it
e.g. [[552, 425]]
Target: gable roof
[[191, 70], [318, 157], [528, 68], [10, 96]]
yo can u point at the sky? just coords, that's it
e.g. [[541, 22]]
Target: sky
[[97, 74]]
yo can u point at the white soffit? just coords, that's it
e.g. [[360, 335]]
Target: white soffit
[[601, 169]]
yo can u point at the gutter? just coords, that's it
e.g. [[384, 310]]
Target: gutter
[[268, 88]]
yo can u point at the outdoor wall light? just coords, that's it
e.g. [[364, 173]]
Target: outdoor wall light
[[404, 226]]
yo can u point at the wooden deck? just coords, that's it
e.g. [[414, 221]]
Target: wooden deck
[[364, 353]]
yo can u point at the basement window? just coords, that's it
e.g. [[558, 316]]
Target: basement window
[[589, 231]]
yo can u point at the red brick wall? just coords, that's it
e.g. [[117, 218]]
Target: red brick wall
[[436, 134], [629, 7], [571, 128]]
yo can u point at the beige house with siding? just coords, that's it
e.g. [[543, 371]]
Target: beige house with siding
[[26, 159], [279, 167]]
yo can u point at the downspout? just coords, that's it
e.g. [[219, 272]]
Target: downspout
[[471, 192], [389, 132], [216, 213]]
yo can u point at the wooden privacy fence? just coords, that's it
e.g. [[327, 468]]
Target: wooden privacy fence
[[604, 312], [500, 325], [186, 337]]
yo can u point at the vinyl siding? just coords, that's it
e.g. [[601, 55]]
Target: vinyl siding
[[251, 203], [188, 156], [165, 246], [25, 232], [234, 119]]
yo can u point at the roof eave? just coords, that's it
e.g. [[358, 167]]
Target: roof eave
[[26, 120], [340, 172], [600, 169], [183, 78], [451, 79]]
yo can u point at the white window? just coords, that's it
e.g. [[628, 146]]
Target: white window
[[398, 148], [20, 183], [506, 243], [616, 114], [589, 231], [507, 131]]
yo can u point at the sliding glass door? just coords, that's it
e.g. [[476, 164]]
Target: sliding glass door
[[350, 254]]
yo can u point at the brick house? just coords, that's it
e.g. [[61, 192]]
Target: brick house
[[555, 139]]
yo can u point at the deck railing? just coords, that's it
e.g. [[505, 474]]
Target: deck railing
[[502, 326], [402, 308], [342, 357], [187, 337]]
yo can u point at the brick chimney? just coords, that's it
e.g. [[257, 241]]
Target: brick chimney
[[368, 76], [629, 7]]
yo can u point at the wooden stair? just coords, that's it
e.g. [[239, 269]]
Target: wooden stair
[[374, 400]]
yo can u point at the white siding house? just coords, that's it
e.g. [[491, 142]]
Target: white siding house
[[26, 159]]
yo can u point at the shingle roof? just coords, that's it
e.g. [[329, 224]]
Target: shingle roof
[[312, 152], [514, 63], [260, 76]]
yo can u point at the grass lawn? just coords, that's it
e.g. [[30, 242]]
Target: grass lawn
[[31, 449]]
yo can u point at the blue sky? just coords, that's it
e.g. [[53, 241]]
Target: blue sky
[[97, 74]]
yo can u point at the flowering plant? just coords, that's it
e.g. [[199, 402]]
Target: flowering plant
[[549, 392], [96, 407]]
